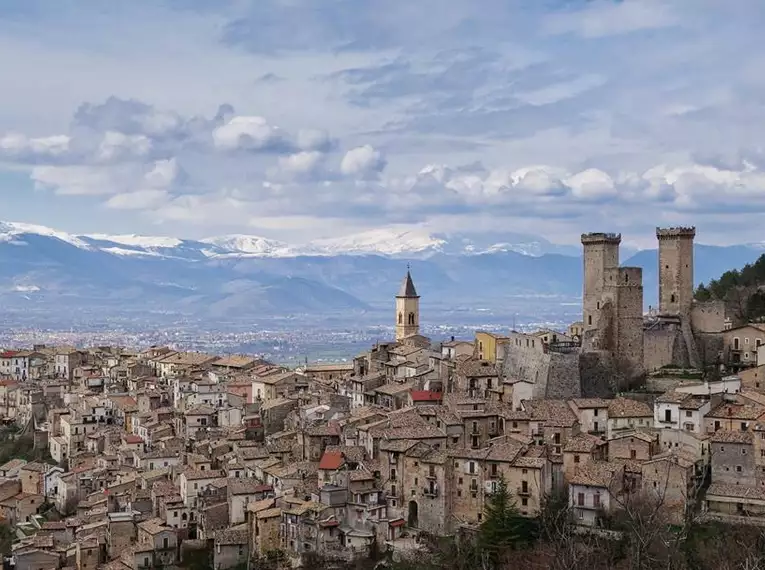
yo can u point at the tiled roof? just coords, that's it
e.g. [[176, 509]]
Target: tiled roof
[[627, 408], [230, 536], [582, 443], [597, 474], [588, 403], [737, 411], [331, 460], [725, 436], [426, 396], [737, 491], [474, 368], [553, 413]]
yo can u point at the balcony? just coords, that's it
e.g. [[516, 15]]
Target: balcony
[[431, 476], [521, 492], [431, 492], [493, 474]]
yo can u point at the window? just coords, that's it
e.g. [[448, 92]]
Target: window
[[589, 319], [411, 318], [165, 542], [524, 502], [576, 459], [688, 413], [393, 490], [401, 318], [738, 468], [580, 499], [596, 500], [736, 344], [471, 467], [595, 412], [667, 415], [633, 454]]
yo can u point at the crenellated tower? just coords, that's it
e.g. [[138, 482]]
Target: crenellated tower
[[601, 252], [675, 270]]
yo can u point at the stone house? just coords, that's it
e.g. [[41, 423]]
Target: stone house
[[592, 414], [592, 490], [740, 344], [424, 488], [732, 416], [735, 503], [35, 558], [733, 458], [121, 532], [192, 482], [395, 395], [580, 450], [266, 525], [481, 425], [674, 479], [680, 410], [635, 445], [314, 440], [240, 493], [230, 548], [476, 378], [33, 478], [277, 384], [20, 507], [162, 539]]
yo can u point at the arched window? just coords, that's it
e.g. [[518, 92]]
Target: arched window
[[411, 318], [401, 318]]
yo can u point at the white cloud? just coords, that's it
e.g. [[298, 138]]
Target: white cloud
[[139, 200], [75, 180], [116, 145], [591, 184], [301, 163], [20, 147], [362, 161], [246, 133]]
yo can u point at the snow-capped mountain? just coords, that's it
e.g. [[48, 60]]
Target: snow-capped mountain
[[394, 241], [240, 276]]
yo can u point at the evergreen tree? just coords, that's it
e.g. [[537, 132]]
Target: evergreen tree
[[503, 528]]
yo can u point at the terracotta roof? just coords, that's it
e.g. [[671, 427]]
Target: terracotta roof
[[582, 443], [724, 436], [426, 396], [737, 491], [475, 368], [132, 438], [588, 403], [331, 460], [597, 474], [627, 408], [737, 411]]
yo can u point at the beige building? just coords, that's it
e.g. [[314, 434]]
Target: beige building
[[407, 310]]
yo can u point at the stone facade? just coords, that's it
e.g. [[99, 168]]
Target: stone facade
[[601, 251], [675, 270], [407, 310]]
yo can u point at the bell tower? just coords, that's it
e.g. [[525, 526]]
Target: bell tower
[[407, 309]]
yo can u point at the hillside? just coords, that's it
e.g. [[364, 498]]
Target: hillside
[[743, 288]]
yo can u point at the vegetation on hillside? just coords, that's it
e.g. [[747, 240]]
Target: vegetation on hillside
[[15, 445], [741, 288]]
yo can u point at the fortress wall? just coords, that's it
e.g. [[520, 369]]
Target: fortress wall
[[596, 375], [664, 346], [553, 375], [708, 316]]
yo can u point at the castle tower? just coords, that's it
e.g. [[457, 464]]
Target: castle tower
[[621, 326], [407, 309], [675, 270], [601, 252]]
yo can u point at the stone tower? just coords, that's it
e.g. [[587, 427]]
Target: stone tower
[[601, 252], [675, 270], [621, 320], [407, 309]]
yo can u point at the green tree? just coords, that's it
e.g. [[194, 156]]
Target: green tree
[[504, 529]]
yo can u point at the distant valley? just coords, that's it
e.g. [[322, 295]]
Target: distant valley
[[347, 282]]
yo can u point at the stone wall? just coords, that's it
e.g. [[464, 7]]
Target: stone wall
[[553, 374], [710, 347], [664, 346], [708, 316]]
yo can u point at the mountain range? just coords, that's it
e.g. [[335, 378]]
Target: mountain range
[[246, 277]]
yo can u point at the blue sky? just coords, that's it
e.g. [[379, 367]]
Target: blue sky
[[297, 119]]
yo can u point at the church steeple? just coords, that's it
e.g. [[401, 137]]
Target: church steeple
[[407, 309]]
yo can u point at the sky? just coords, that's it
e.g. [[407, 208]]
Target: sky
[[305, 119]]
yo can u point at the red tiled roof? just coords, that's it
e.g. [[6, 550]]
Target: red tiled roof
[[132, 438], [331, 460], [8, 354], [426, 396]]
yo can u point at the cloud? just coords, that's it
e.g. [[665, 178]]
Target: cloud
[[386, 111], [247, 133], [30, 150], [363, 161]]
